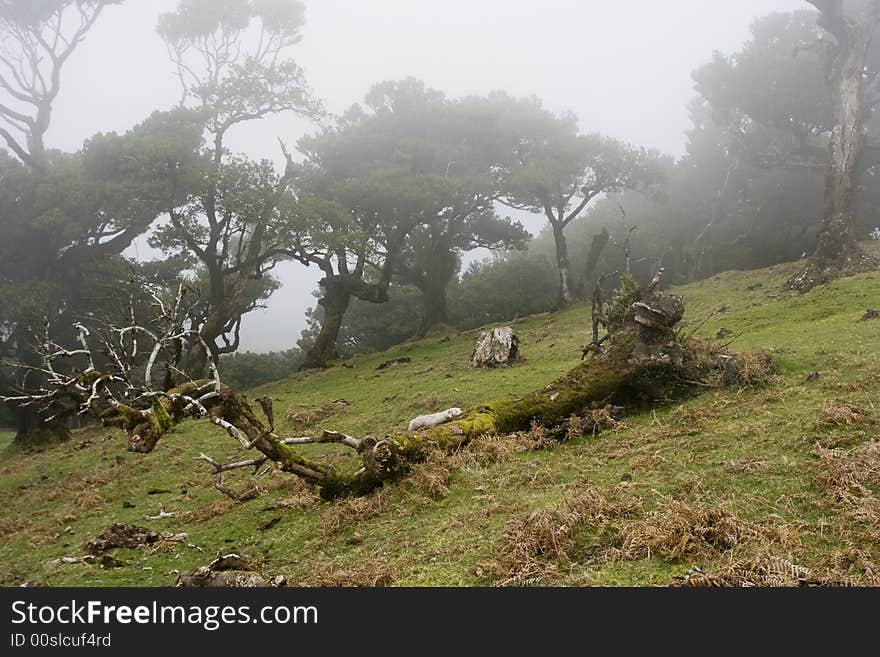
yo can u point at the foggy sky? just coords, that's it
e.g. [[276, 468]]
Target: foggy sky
[[623, 67]]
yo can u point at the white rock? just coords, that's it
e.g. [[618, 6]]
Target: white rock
[[433, 419]]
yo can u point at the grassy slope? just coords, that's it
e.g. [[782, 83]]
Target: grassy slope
[[750, 455]]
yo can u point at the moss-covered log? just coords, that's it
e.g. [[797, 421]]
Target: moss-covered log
[[645, 363]]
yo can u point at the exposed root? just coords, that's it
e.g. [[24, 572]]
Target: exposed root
[[815, 272]]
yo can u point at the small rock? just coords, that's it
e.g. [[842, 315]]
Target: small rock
[[812, 376], [626, 476], [108, 561], [873, 313], [127, 505]]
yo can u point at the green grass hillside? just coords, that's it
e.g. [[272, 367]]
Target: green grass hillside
[[774, 484]]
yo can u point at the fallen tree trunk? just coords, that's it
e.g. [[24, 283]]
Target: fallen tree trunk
[[644, 364]]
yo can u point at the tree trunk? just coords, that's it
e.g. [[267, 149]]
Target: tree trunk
[[837, 244], [196, 360], [846, 63], [435, 313], [224, 309], [335, 302], [438, 268], [30, 428], [564, 295], [597, 245], [33, 431]]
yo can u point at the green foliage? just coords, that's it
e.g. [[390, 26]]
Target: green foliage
[[245, 369], [503, 288], [224, 73]]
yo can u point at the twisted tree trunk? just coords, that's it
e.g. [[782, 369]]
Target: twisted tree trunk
[[846, 66], [837, 244], [335, 303]]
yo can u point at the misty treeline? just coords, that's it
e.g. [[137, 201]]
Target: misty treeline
[[385, 199]]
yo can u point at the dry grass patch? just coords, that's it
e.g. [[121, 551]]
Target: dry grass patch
[[10, 526], [840, 412], [853, 565], [350, 511], [680, 529], [761, 570], [867, 382], [216, 508], [537, 544], [746, 465], [88, 499], [846, 478], [302, 416], [367, 572], [431, 477], [490, 448]]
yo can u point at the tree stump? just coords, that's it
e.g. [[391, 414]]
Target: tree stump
[[495, 348]]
